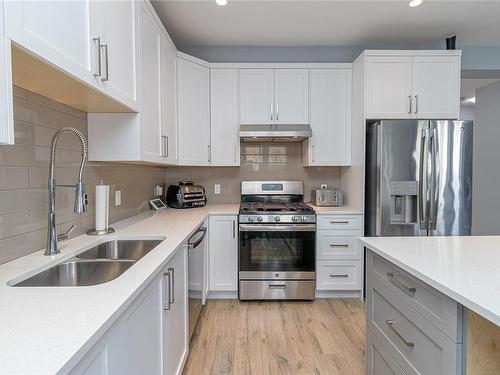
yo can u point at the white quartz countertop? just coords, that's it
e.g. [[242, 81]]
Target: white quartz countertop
[[44, 330], [467, 269], [341, 210]]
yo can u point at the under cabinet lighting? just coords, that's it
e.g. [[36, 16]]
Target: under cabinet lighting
[[221, 2], [415, 3]]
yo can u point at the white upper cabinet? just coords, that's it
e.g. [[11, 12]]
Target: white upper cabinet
[[92, 41], [151, 106], [257, 96], [168, 74], [388, 87], [330, 144], [413, 87], [119, 49], [274, 96], [6, 100], [291, 96], [225, 141], [193, 99], [436, 87]]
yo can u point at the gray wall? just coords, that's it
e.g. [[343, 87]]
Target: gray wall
[[486, 180]]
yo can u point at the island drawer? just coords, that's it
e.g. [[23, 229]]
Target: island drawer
[[378, 359], [338, 275], [340, 222], [437, 308], [416, 345], [334, 245]]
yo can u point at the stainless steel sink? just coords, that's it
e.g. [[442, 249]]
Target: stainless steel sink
[[97, 265], [79, 273], [120, 249]]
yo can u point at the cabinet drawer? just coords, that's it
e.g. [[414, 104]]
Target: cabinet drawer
[[417, 346], [437, 308], [330, 245], [338, 275], [378, 359], [339, 222]]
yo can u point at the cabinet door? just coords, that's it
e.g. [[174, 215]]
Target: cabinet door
[[330, 144], [257, 96], [6, 101], [150, 116], [224, 127], [176, 313], [193, 113], [291, 96], [142, 329], [168, 74], [57, 31], [223, 252], [119, 54], [388, 87], [436, 87]]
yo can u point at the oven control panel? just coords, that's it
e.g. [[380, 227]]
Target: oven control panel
[[277, 219]]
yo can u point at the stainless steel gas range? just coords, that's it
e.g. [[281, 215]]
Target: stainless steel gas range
[[277, 240]]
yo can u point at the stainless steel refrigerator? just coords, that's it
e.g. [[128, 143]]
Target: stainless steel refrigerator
[[418, 178]]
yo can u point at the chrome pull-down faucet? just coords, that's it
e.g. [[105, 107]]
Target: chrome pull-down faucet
[[80, 195]]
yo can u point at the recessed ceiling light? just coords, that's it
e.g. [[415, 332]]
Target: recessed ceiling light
[[415, 3], [221, 2]]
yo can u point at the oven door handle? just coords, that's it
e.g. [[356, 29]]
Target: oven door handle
[[277, 228]]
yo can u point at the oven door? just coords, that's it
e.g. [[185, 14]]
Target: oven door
[[277, 251]]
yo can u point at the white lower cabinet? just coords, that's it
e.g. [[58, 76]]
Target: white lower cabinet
[[223, 252], [339, 258], [150, 337]]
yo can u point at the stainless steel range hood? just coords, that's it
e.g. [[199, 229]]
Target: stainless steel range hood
[[275, 133]]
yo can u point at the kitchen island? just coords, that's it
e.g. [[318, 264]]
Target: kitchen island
[[432, 304]]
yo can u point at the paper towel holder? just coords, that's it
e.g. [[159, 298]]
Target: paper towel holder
[[94, 232]]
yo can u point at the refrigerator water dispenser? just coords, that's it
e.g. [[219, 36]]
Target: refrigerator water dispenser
[[403, 202]]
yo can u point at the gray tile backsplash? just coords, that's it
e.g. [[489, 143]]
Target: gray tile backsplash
[[24, 170], [258, 162]]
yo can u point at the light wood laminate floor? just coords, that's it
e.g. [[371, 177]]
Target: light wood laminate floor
[[326, 336]]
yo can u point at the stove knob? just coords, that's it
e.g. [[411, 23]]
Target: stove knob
[[259, 219], [295, 218], [303, 218], [250, 219], [277, 218]]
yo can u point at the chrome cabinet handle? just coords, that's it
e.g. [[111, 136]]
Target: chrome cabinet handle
[[234, 228], [166, 145], [339, 222], [416, 104], [277, 112], [390, 323], [166, 301], [332, 275], [235, 154], [163, 147], [398, 283], [338, 245], [171, 294], [313, 153], [271, 111], [410, 101], [104, 79], [277, 286], [209, 154], [97, 41]]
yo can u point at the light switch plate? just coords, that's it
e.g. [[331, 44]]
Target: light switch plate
[[216, 188], [324, 186], [118, 197]]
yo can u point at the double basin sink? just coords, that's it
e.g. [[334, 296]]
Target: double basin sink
[[97, 265]]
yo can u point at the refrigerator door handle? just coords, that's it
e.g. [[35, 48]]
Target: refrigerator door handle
[[423, 184], [433, 186]]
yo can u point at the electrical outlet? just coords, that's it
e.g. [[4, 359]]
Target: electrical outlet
[[118, 198], [216, 188], [324, 186]]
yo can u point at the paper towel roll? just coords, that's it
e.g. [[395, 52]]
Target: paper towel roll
[[101, 206]]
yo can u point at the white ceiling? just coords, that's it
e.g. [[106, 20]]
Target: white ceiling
[[330, 22]]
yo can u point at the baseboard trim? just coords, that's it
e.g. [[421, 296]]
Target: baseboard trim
[[222, 294], [339, 294]]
